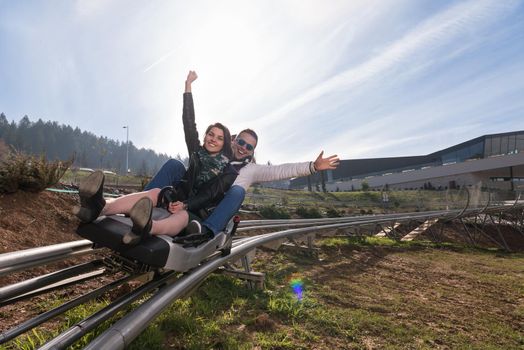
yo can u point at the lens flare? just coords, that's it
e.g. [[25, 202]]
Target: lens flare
[[296, 285]]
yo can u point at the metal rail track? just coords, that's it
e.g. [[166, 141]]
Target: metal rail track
[[168, 288], [125, 330], [25, 259]]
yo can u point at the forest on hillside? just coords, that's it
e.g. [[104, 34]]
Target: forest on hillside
[[62, 142]]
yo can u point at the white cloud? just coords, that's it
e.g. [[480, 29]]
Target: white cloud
[[436, 31]]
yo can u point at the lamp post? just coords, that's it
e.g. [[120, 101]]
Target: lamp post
[[127, 148]]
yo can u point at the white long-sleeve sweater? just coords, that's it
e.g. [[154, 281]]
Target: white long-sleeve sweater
[[255, 173]]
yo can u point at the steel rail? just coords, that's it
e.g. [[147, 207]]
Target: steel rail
[[32, 323], [461, 213], [44, 261], [23, 287], [254, 223], [74, 334], [308, 222], [488, 202], [77, 331], [125, 330], [363, 220], [60, 284], [324, 224], [24, 259], [29, 255]]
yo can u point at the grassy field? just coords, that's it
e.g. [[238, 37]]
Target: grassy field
[[376, 294], [358, 201]]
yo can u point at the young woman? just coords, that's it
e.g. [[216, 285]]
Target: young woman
[[199, 189]]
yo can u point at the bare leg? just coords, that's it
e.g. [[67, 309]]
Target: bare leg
[[171, 225], [123, 205]]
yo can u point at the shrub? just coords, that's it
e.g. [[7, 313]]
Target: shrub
[[333, 213], [144, 180], [273, 212], [4, 150], [310, 213], [19, 171]]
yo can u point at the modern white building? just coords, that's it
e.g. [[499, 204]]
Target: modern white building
[[495, 161]]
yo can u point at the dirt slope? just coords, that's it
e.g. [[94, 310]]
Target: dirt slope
[[30, 220]]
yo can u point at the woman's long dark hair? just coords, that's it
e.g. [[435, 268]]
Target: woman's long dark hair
[[226, 149]]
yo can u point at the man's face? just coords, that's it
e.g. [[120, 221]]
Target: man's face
[[243, 146]]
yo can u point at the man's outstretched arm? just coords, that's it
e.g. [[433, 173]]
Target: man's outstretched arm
[[255, 173]]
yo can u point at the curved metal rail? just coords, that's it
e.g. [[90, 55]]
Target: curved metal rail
[[32, 323], [80, 329], [24, 259], [18, 290]]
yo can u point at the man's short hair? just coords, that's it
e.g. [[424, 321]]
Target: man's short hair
[[250, 132]]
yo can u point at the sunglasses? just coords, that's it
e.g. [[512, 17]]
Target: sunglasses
[[243, 143]]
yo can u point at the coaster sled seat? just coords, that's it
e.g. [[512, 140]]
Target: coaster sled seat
[[158, 251]]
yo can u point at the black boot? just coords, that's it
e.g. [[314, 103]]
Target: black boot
[[196, 228], [91, 197], [196, 234], [166, 195], [141, 216]]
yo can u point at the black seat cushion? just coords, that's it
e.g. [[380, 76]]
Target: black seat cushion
[[108, 232]]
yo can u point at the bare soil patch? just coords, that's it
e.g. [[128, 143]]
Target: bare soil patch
[[31, 220]]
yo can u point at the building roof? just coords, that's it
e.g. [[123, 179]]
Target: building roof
[[351, 168]]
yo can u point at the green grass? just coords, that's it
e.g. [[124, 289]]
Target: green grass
[[38, 336], [274, 212], [359, 202], [356, 309]]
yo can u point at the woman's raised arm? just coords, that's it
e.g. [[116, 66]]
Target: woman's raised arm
[[191, 77], [188, 116]]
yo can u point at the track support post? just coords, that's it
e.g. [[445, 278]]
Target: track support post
[[305, 245], [254, 280]]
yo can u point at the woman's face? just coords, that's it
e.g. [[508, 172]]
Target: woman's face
[[214, 140]]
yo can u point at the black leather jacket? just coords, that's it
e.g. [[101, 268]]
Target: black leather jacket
[[200, 200], [211, 193]]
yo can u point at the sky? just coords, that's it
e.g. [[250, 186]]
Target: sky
[[361, 79]]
